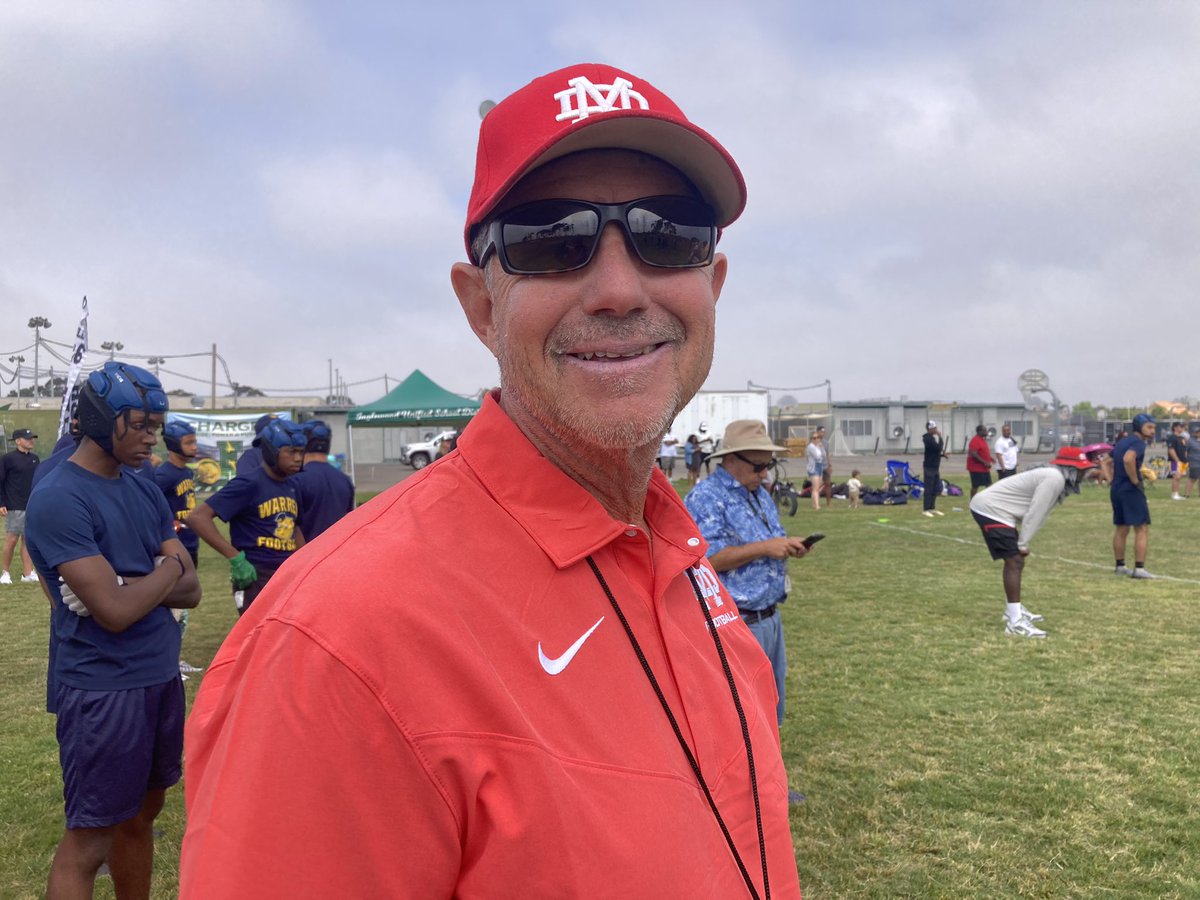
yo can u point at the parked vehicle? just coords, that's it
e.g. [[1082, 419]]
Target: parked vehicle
[[422, 453]]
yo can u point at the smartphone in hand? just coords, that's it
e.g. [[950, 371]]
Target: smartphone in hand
[[812, 539]]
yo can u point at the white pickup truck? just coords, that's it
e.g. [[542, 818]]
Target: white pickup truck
[[422, 453]]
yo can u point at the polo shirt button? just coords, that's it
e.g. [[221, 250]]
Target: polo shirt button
[[693, 542], [632, 532]]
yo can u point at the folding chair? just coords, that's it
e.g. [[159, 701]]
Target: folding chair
[[900, 478]]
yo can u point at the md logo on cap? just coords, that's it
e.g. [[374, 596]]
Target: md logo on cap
[[604, 98]]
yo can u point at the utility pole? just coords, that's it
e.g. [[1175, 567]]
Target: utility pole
[[37, 323], [213, 397], [18, 360]]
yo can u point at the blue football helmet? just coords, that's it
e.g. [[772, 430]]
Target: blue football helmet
[[110, 393], [319, 436], [174, 432], [1141, 420], [278, 435]]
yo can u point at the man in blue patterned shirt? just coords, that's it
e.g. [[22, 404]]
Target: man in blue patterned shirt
[[747, 545]]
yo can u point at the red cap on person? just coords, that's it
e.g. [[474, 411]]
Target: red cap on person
[[591, 106], [1072, 456]]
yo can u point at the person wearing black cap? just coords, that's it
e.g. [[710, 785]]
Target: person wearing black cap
[[935, 452], [16, 481]]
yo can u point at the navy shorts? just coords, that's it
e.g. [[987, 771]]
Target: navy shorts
[[980, 479], [1001, 539], [114, 746], [1130, 508]]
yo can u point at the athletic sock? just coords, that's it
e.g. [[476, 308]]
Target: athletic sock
[[1139, 565], [1013, 611], [1120, 562]]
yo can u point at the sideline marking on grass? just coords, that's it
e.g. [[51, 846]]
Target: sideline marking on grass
[[1061, 559]]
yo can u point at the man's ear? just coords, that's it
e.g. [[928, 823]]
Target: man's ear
[[719, 271], [475, 297]]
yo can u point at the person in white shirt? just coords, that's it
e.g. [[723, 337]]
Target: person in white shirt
[[1012, 511], [667, 453], [1006, 453]]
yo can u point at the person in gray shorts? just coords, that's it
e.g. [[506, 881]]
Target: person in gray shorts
[[16, 481]]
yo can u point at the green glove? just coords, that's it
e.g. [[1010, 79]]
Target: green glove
[[242, 572]]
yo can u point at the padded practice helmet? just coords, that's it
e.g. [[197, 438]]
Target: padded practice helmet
[[110, 393], [1141, 420], [278, 435], [174, 432], [319, 436]]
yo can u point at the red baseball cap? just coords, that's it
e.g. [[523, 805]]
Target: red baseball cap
[[1072, 456], [592, 106]]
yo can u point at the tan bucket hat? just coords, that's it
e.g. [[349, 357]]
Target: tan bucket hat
[[746, 434]]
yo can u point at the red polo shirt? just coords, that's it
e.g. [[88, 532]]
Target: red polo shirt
[[979, 445], [437, 699]]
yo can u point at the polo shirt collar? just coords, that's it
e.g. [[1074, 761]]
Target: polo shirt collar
[[558, 514]]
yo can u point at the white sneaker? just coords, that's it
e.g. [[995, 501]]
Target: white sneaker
[[5, 578], [1176, 497], [1025, 614], [29, 579], [938, 512], [1141, 573], [1023, 628], [1122, 570], [927, 513]]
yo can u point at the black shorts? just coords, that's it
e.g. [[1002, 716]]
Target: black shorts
[[1130, 508], [1001, 539], [114, 746], [980, 479]]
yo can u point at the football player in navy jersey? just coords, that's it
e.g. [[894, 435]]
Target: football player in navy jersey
[[252, 458], [104, 544], [262, 510], [326, 493], [176, 481]]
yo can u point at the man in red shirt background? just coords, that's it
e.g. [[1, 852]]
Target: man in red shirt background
[[979, 460]]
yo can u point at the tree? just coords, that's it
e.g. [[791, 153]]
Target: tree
[[1084, 410]]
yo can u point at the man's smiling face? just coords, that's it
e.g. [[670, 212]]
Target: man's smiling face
[[607, 354]]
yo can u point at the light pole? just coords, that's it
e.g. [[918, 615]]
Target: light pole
[[37, 323], [112, 347], [156, 361], [17, 360]]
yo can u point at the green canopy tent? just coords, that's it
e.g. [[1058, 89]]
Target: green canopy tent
[[414, 402]]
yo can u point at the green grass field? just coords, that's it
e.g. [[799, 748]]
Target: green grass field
[[940, 757]]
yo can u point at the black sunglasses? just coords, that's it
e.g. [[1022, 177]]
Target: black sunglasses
[[562, 235], [758, 468]]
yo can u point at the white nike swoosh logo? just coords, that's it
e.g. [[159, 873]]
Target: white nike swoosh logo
[[554, 666]]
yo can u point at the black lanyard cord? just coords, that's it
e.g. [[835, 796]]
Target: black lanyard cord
[[737, 703], [637, 649]]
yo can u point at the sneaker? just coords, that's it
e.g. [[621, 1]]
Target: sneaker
[[5, 578], [29, 579], [1140, 573], [188, 668], [1176, 497], [1023, 628], [1122, 570], [927, 513], [1025, 614], [938, 512]]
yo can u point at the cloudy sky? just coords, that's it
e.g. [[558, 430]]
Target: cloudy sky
[[942, 194]]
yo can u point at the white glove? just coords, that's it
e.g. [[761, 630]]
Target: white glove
[[74, 604]]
